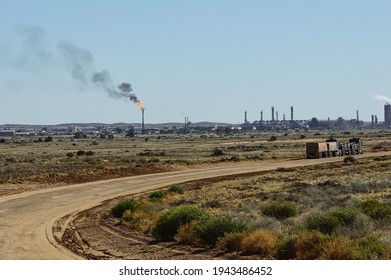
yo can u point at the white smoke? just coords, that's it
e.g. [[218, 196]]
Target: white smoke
[[383, 98]]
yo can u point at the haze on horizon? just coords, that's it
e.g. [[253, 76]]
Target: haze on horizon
[[209, 60]]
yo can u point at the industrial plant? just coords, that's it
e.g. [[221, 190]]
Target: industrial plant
[[273, 123]]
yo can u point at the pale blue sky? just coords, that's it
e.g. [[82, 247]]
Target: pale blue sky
[[209, 60]]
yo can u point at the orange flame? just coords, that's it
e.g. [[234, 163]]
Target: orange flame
[[138, 103]]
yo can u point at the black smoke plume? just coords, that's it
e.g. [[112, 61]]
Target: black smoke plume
[[80, 62]]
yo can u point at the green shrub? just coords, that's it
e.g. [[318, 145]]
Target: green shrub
[[375, 209], [273, 138], [157, 195], [176, 189], [217, 152], [370, 248], [90, 153], [321, 221], [69, 154], [171, 220], [280, 210], [327, 222], [211, 227], [286, 249], [345, 215], [349, 159], [80, 152], [124, 205], [231, 242], [10, 159]]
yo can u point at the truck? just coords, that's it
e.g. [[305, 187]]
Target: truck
[[332, 148]]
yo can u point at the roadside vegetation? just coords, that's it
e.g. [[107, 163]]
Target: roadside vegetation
[[321, 212]]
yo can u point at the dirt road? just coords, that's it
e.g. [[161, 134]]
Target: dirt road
[[27, 219]]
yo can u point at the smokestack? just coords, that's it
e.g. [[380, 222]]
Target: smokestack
[[142, 120], [187, 122], [358, 119], [291, 113], [373, 119], [376, 120], [276, 115], [261, 116], [245, 117], [283, 117], [387, 114], [273, 114]]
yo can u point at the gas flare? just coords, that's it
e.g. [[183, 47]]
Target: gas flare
[[138, 103]]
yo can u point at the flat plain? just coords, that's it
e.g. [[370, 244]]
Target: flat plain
[[282, 213]]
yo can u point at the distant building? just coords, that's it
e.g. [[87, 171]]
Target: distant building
[[8, 132]]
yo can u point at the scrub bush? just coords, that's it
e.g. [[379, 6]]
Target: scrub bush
[[124, 205], [280, 210], [171, 220]]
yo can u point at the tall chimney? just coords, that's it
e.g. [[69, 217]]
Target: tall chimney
[[142, 120], [387, 114], [358, 119], [261, 116], [245, 117], [273, 114], [276, 115], [291, 113]]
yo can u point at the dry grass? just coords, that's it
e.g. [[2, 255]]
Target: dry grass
[[260, 242]]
